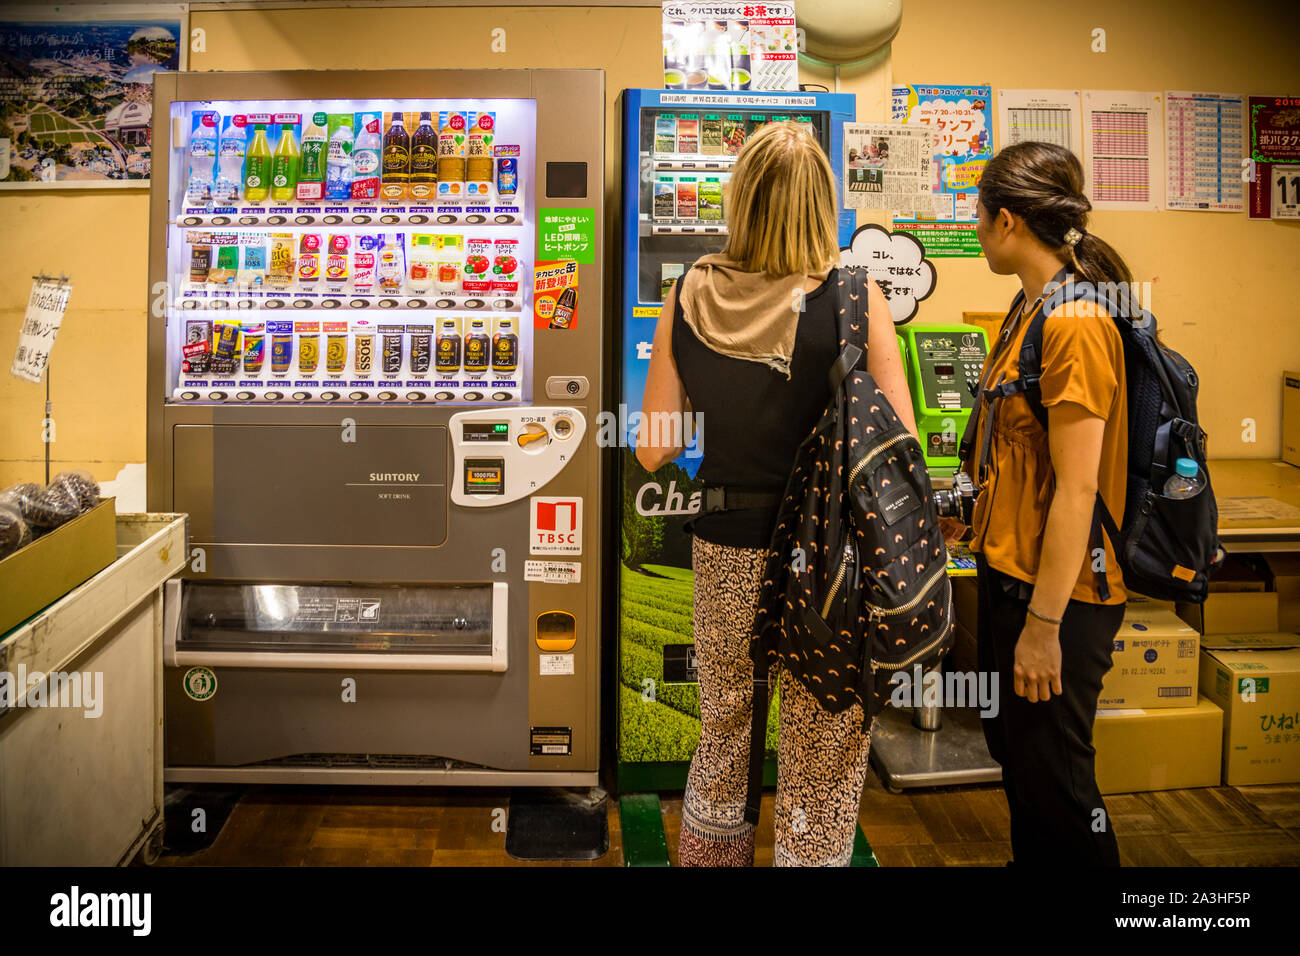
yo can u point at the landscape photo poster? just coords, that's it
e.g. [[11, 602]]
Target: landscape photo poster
[[76, 91]]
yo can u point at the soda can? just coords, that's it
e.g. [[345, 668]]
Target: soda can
[[507, 176]]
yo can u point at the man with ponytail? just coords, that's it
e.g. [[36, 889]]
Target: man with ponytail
[[1047, 621]]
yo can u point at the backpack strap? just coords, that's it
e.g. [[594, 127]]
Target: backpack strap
[[972, 421], [851, 293]]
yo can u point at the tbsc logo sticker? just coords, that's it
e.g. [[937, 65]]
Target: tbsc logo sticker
[[555, 526]]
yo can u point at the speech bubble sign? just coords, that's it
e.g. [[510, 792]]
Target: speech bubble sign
[[897, 262]]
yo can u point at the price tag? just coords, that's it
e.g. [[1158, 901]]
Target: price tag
[[1286, 192], [45, 308]]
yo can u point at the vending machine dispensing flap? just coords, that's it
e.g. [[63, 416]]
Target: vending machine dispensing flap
[[377, 627]]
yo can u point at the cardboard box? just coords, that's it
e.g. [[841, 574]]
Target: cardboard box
[[1291, 417], [1166, 749], [1154, 663], [37, 575], [1142, 602], [1286, 582], [1255, 678], [1232, 612]]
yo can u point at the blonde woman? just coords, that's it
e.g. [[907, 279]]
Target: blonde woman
[[745, 341]]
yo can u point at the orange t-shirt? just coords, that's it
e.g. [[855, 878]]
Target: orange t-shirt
[[1083, 362]]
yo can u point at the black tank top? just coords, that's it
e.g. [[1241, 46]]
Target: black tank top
[[753, 417]]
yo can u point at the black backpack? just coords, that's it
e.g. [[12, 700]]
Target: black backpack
[[855, 587], [1167, 548]]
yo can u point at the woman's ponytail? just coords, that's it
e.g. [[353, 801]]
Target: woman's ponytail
[[1043, 184]]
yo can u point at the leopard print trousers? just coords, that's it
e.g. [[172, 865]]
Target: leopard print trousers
[[821, 757]]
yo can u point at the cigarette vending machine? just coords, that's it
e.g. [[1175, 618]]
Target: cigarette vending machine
[[679, 147], [374, 372]]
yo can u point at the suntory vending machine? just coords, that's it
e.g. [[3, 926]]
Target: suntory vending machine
[[679, 147], [373, 380]]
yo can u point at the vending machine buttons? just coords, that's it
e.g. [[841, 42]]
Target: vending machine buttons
[[485, 476], [501, 396], [217, 396], [274, 396], [189, 396], [329, 396], [443, 396], [415, 396], [387, 396], [301, 396], [473, 396], [357, 396]]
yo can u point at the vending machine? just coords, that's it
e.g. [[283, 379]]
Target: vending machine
[[375, 365], [679, 147]]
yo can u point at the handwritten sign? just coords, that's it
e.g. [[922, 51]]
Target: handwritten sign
[[45, 308]]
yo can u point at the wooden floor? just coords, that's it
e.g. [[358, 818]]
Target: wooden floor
[[967, 826]]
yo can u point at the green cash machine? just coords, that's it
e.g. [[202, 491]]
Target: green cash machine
[[943, 363]]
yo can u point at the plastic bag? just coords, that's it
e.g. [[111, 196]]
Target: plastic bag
[[68, 495], [14, 531]]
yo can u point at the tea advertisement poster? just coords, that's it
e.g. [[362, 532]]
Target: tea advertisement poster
[[76, 90], [730, 46]]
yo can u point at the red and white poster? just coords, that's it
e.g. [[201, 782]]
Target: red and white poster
[[1274, 139], [555, 526]]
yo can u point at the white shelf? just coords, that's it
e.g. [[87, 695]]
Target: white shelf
[[648, 228], [346, 302], [355, 214], [289, 391]]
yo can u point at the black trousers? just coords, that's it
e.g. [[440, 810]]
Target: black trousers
[[1045, 749]]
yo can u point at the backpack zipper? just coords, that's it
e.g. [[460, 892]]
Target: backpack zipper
[[845, 561], [847, 558], [917, 655], [879, 613], [879, 449]]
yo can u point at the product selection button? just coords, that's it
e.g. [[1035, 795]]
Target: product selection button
[[415, 396], [443, 396], [501, 396], [274, 396], [473, 396], [189, 396], [217, 396], [329, 396], [387, 396], [301, 396], [357, 396]]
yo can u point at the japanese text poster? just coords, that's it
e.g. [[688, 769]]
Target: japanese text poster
[[76, 97], [1123, 149], [1274, 123], [961, 116], [1203, 140]]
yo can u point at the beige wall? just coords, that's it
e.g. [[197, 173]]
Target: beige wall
[[1224, 288]]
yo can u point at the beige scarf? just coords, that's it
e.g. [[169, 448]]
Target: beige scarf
[[744, 315]]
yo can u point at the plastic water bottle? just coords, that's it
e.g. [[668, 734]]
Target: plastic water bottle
[[1186, 481]]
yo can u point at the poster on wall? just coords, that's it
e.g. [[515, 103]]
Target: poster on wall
[[1123, 149], [1040, 116], [1203, 139], [76, 91], [887, 167], [1274, 124], [730, 46], [961, 118]]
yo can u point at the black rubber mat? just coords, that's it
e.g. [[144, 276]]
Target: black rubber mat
[[179, 806], [557, 824]]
